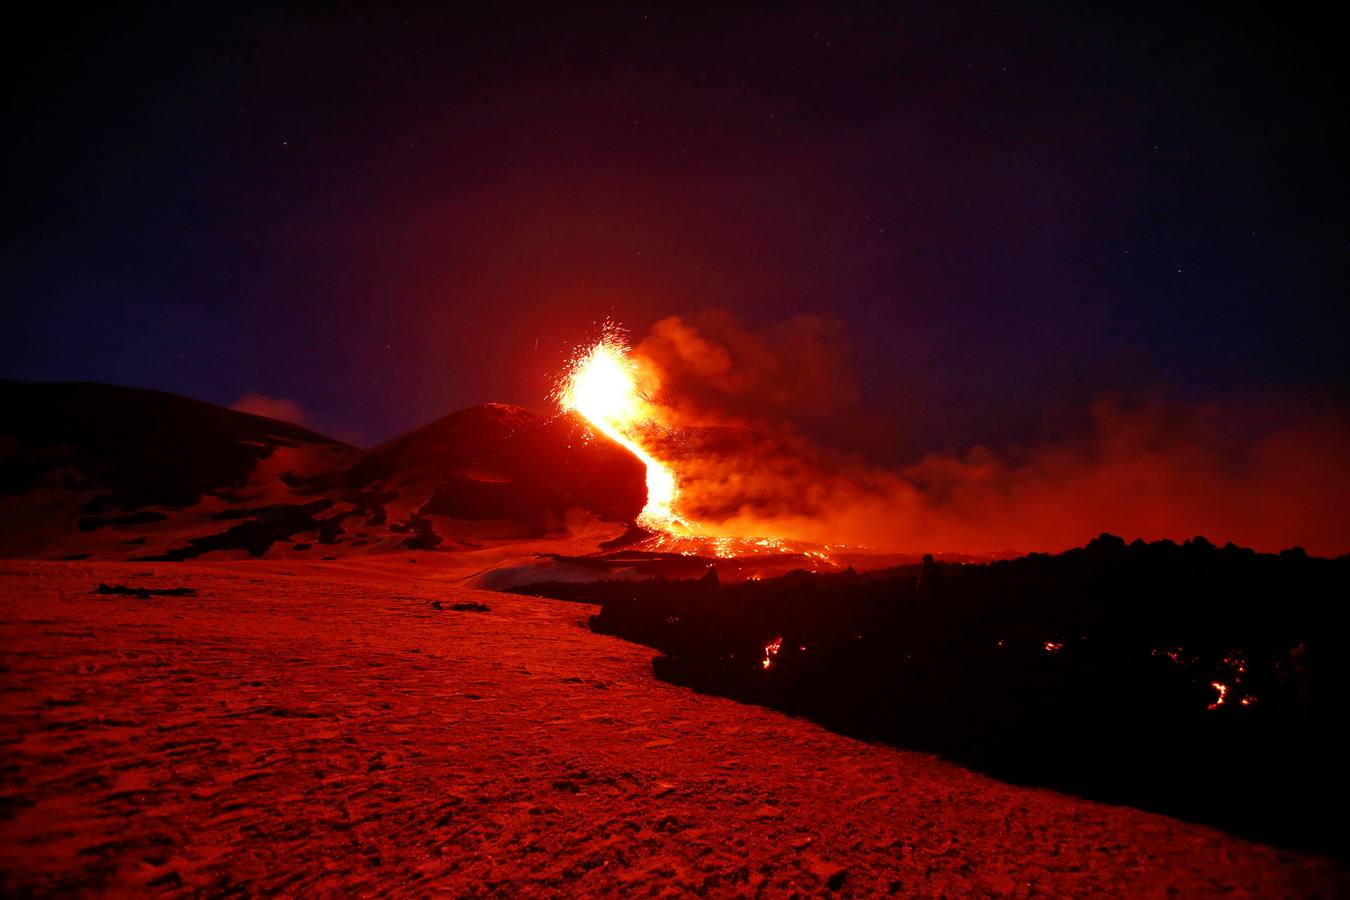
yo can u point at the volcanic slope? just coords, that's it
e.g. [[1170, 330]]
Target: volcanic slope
[[95, 471], [342, 727]]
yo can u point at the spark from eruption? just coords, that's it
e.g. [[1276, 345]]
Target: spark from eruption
[[601, 384]]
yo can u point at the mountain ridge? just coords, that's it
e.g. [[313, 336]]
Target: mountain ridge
[[90, 470]]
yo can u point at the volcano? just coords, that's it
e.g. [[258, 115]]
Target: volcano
[[222, 665], [95, 471]]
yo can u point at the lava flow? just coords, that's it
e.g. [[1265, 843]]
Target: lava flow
[[601, 384]]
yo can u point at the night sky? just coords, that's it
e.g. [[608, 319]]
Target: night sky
[[386, 214]]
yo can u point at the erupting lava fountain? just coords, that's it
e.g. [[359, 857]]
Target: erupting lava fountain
[[601, 384]]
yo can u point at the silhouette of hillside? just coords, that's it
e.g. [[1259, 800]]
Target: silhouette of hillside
[[96, 471], [138, 447]]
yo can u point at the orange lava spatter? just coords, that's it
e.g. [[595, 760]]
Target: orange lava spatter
[[601, 384]]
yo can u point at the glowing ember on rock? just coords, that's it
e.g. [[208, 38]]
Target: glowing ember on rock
[[601, 384], [771, 650], [1223, 692]]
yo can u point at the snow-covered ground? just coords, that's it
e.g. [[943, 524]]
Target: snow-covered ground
[[322, 727]]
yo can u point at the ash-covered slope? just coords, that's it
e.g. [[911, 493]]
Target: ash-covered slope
[[89, 470]]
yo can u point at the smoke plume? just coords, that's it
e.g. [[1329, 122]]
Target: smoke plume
[[270, 407], [735, 402]]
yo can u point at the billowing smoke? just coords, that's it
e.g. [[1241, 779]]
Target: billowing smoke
[[737, 401], [793, 372], [271, 407]]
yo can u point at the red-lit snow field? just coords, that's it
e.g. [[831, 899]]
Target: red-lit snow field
[[323, 728]]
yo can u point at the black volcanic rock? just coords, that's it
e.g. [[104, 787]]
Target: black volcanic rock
[[145, 517], [255, 536], [1201, 681]]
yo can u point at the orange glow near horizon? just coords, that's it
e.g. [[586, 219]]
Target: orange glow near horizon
[[601, 384]]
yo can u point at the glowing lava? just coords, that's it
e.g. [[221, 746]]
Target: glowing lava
[[771, 650], [1223, 693], [602, 385]]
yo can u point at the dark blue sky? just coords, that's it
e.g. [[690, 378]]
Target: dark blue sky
[[388, 213]]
